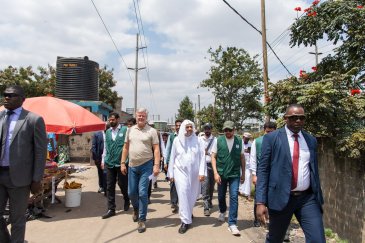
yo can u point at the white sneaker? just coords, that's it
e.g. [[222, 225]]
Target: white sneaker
[[222, 217], [234, 230]]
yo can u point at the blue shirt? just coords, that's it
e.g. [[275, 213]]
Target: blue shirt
[[13, 119]]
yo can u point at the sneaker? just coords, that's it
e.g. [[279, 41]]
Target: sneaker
[[222, 217], [141, 227], [234, 230], [256, 223], [206, 212]]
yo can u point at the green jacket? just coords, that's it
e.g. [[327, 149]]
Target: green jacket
[[258, 144], [114, 148], [229, 163]]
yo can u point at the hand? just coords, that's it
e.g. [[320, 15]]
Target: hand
[[242, 178], [262, 213], [254, 179], [166, 167], [171, 179], [102, 166], [35, 187], [123, 169], [201, 178], [217, 178], [156, 170]]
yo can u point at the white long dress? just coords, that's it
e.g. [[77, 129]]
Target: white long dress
[[186, 165]]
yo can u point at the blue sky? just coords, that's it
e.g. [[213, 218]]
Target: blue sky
[[177, 34]]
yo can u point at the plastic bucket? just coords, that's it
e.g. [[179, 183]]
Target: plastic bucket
[[73, 197]]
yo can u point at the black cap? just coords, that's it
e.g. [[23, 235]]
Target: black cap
[[208, 126]]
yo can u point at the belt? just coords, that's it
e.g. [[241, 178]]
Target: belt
[[300, 193], [4, 168]]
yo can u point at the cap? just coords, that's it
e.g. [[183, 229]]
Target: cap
[[247, 135], [207, 126], [228, 124]]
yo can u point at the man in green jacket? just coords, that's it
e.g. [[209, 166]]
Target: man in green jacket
[[227, 161], [113, 146]]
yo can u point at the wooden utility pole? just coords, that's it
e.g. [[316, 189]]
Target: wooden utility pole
[[264, 56], [136, 69]]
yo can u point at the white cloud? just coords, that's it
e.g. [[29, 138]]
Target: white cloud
[[178, 35]]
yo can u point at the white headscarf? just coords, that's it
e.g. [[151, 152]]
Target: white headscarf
[[184, 140]]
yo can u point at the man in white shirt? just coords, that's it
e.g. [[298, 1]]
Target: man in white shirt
[[208, 184]]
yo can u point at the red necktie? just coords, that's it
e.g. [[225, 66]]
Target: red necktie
[[294, 179]]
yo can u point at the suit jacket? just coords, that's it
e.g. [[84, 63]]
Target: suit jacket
[[28, 148], [97, 146], [274, 172]]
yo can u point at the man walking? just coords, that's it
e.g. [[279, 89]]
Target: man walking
[[255, 158], [288, 180], [97, 152], [227, 161], [208, 184], [173, 193], [245, 187], [142, 147], [22, 159], [114, 142]]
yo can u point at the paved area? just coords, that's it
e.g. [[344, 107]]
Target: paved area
[[84, 223]]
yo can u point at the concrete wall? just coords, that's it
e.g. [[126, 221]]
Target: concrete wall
[[80, 146], [343, 186]]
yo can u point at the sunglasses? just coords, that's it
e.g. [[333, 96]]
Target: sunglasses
[[295, 118], [10, 95], [228, 130]]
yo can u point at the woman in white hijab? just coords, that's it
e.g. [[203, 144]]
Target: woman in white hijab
[[187, 168]]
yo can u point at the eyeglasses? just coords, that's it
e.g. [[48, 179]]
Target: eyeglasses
[[10, 95], [295, 118], [228, 130]]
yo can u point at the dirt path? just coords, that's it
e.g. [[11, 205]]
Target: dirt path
[[84, 223]]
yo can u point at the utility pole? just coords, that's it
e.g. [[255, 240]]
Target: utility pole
[[264, 56], [316, 53], [199, 125], [136, 69]]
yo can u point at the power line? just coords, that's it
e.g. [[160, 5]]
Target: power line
[[244, 19], [111, 38], [140, 22]]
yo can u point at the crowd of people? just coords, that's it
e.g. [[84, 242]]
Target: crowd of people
[[194, 163], [282, 163]]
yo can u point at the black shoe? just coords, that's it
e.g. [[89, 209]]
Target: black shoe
[[175, 208], [206, 212], [210, 205], [108, 214], [183, 228], [126, 205], [135, 215], [256, 223], [149, 201], [141, 227], [155, 185]]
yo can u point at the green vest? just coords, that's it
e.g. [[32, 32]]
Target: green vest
[[229, 163], [258, 143], [114, 148]]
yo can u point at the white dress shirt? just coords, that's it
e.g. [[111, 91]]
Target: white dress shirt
[[304, 157]]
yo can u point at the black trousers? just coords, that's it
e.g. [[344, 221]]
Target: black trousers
[[173, 194], [114, 175]]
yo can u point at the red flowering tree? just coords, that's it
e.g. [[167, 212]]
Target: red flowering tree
[[332, 94]]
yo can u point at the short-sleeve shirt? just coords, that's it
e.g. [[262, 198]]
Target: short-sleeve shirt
[[141, 143]]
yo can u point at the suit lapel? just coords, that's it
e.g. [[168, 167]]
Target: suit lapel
[[310, 147], [284, 140], [19, 124], [2, 116]]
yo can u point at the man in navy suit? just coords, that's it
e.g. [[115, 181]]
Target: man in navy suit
[[288, 180]]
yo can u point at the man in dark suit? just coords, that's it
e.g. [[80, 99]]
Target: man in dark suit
[[97, 152], [22, 160], [288, 180]]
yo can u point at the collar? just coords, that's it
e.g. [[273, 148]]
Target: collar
[[116, 129], [290, 133], [16, 111]]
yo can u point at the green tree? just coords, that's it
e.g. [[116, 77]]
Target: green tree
[[43, 81], [213, 116], [235, 80], [106, 83], [185, 110], [325, 94]]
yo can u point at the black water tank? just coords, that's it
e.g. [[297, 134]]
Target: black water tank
[[77, 79]]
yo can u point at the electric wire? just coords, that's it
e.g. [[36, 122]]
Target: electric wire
[[111, 38]]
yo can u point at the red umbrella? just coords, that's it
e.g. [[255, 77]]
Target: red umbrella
[[62, 116]]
